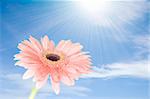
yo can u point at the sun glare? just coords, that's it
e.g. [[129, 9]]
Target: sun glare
[[94, 6], [95, 10]]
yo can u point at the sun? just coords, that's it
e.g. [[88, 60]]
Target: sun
[[94, 6], [95, 10]]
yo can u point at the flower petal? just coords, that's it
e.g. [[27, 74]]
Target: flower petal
[[41, 83], [60, 44], [25, 48], [66, 80], [55, 86], [55, 77], [28, 74], [71, 69], [47, 44], [35, 44], [74, 49], [26, 65], [51, 45], [64, 46]]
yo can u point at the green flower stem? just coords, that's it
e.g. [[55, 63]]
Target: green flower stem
[[33, 93]]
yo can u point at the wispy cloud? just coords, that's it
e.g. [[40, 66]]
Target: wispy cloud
[[137, 66], [133, 69], [12, 85], [142, 45], [142, 40]]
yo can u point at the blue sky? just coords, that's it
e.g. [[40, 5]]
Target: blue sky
[[117, 39]]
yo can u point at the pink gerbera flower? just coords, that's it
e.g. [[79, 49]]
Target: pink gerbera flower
[[63, 63]]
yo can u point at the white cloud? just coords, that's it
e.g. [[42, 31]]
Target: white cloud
[[133, 69], [138, 66], [142, 40], [12, 85], [142, 46]]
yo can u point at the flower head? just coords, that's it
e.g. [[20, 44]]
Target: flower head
[[63, 63]]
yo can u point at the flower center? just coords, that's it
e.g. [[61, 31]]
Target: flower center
[[53, 57]]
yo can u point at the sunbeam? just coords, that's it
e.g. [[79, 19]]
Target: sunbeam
[[105, 12], [103, 22]]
